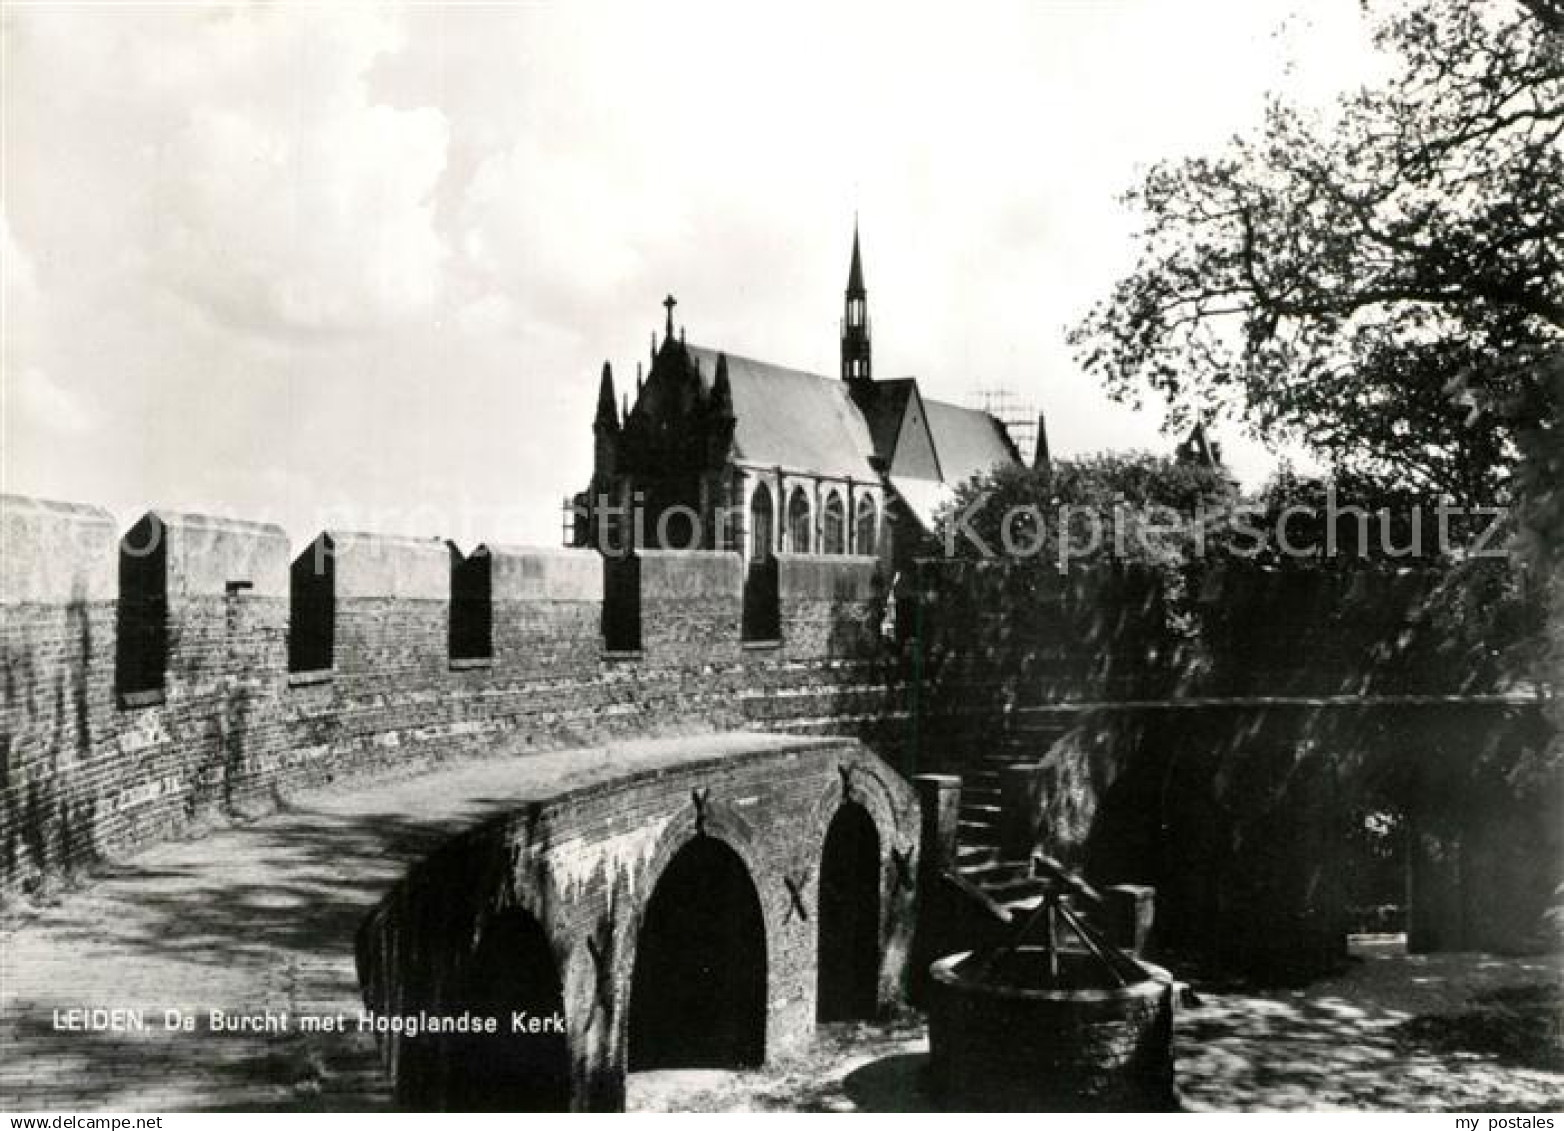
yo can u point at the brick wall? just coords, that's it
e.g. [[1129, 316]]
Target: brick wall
[[830, 606], [86, 777]]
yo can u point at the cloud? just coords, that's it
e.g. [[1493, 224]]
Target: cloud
[[235, 158], [256, 253], [47, 405], [17, 274]]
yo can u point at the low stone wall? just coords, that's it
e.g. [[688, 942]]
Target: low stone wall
[[1240, 815]]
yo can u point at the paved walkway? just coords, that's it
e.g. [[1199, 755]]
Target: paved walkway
[[250, 918]]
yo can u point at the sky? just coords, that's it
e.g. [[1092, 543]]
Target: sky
[[359, 268]]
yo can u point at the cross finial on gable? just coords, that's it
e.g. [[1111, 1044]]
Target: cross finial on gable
[[668, 304]]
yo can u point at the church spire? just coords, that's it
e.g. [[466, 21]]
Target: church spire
[[855, 287], [855, 320], [607, 411], [722, 390]]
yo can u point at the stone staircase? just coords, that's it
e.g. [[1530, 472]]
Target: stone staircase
[[979, 856]]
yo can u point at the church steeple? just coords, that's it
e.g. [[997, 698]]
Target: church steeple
[[607, 413], [855, 287], [606, 432], [855, 320]]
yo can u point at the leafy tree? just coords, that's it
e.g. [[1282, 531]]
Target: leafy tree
[[1382, 283], [1137, 489]]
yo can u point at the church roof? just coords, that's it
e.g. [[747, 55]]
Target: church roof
[[792, 419], [883, 404], [925, 498], [969, 441], [803, 421]]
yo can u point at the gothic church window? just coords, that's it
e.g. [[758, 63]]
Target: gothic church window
[[798, 522], [864, 539], [761, 540], [834, 532]]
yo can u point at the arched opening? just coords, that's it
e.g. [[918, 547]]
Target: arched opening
[[834, 526], [761, 539], [849, 919], [865, 540], [698, 994], [798, 522], [141, 640], [512, 971], [850, 889]]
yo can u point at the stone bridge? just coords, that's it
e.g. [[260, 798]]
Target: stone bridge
[[698, 903]]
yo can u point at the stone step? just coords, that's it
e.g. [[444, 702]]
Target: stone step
[[975, 855], [1018, 887], [1022, 905], [995, 872], [978, 832]]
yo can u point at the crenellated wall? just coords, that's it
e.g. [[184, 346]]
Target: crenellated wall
[[90, 772]]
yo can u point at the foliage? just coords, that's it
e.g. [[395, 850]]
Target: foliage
[[1144, 492], [1382, 283]]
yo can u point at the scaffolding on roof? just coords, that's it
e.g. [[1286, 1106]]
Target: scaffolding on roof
[[1018, 415]]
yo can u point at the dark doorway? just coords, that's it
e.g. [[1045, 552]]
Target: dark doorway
[[698, 995], [849, 952], [512, 972]]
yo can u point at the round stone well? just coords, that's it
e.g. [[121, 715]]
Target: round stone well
[[1054, 1019]]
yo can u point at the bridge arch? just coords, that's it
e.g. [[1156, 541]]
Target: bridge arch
[[513, 969], [860, 786], [849, 918], [743, 816], [699, 970]]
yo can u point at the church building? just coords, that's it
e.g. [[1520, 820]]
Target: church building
[[719, 451]]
